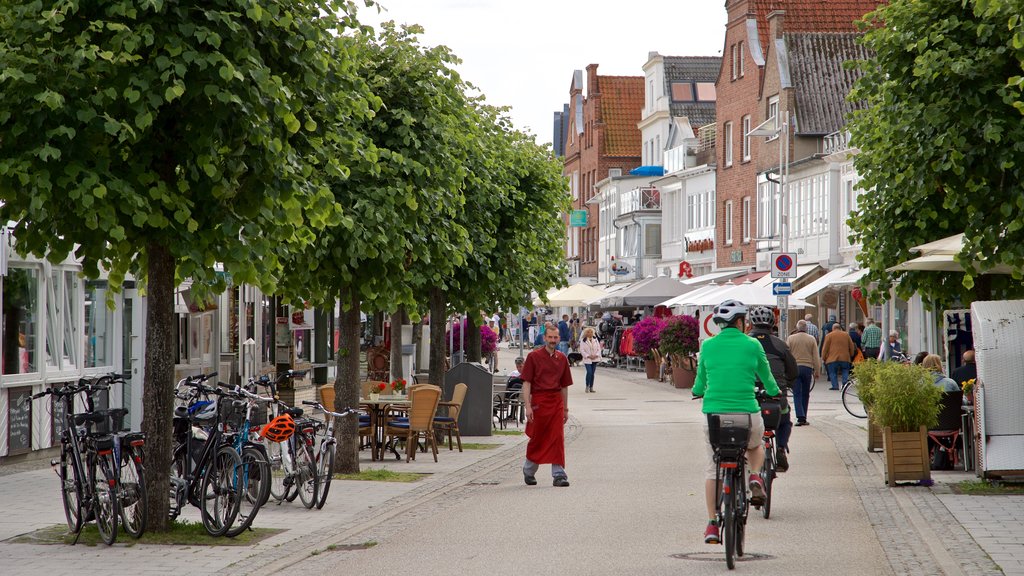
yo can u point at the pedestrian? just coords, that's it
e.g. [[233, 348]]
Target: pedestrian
[[855, 334], [812, 329], [590, 348], [826, 329], [784, 369], [564, 335], [893, 349], [933, 363], [805, 349], [871, 340], [546, 381], [920, 357], [968, 371], [837, 353]]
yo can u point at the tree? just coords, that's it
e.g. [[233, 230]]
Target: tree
[[157, 139], [402, 198], [941, 144]]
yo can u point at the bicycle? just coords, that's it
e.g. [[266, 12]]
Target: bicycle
[[82, 490], [254, 474], [325, 451], [771, 413], [207, 480], [292, 463], [729, 434], [851, 400]]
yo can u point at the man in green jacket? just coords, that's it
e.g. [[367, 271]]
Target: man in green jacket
[[729, 365]]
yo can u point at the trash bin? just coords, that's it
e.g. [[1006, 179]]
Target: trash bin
[[475, 417]]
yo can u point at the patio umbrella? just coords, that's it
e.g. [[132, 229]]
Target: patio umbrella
[[575, 296], [650, 292], [753, 295], [940, 262], [950, 245]]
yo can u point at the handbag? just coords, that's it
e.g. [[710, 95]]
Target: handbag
[[858, 357]]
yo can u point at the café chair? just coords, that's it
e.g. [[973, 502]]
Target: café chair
[[365, 421], [946, 434], [423, 402], [450, 421]]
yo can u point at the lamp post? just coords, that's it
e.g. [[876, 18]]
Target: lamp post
[[767, 129]]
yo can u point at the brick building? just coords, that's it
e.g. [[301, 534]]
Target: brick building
[[747, 97], [602, 141]]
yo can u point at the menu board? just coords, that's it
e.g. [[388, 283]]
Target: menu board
[[19, 420], [57, 411]]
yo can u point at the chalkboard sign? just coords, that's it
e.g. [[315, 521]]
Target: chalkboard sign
[[19, 420], [57, 411]]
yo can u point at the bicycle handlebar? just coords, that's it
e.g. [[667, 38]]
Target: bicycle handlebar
[[320, 407]]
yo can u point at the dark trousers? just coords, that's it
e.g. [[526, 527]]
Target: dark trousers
[[802, 391], [783, 431]]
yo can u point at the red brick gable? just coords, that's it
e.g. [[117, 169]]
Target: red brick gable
[[622, 102]]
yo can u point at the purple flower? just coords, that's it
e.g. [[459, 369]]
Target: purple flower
[[647, 335]]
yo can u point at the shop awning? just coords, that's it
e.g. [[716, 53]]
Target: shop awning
[[852, 277], [649, 292], [822, 283], [684, 300], [711, 277]]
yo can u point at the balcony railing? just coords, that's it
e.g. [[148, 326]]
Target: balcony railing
[[644, 198], [706, 137], [836, 142]]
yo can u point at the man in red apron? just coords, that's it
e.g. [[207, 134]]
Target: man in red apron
[[545, 394]]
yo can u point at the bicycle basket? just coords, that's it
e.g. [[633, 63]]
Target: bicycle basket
[[232, 412], [729, 434], [771, 413]]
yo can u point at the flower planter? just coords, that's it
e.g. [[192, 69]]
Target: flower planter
[[684, 371], [651, 367], [875, 436], [906, 456]]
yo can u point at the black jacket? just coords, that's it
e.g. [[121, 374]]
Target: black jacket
[[781, 360]]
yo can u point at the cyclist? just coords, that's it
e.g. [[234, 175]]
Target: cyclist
[[785, 371], [729, 365]]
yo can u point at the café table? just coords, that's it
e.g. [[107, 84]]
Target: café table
[[378, 410]]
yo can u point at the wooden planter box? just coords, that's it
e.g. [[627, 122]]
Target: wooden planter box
[[906, 456], [651, 368], [684, 372], [875, 436]]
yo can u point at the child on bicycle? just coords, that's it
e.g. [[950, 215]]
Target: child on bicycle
[[730, 364]]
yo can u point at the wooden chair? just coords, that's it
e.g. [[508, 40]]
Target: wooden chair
[[450, 421], [365, 421], [378, 363], [946, 434], [420, 423]]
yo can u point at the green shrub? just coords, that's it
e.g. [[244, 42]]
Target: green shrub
[[903, 397], [865, 374]]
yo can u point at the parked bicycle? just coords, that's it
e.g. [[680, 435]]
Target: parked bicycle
[[254, 474], [729, 434], [204, 466], [290, 447], [87, 467], [129, 452], [325, 450], [851, 399]]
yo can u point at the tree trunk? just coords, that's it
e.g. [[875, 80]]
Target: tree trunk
[[158, 382], [438, 346], [473, 336], [398, 319], [346, 385]]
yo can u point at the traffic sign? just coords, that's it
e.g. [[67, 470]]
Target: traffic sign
[[782, 288], [783, 264]]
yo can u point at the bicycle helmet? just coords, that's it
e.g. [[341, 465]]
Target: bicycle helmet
[[761, 316], [203, 410], [727, 311], [279, 429]]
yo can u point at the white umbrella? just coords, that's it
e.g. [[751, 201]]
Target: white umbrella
[[940, 262], [951, 245], [575, 296], [753, 295]]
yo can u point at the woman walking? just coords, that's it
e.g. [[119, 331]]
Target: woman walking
[[590, 348]]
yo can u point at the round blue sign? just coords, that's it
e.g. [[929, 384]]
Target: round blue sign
[[784, 262]]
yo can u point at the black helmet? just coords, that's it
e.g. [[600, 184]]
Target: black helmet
[[727, 311], [761, 316]]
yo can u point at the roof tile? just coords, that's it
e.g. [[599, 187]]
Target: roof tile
[[692, 69], [820, 79], [622, 102]]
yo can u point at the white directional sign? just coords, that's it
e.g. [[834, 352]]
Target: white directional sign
[[783, 264]]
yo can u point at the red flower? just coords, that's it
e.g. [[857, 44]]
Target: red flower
[[381, 386]]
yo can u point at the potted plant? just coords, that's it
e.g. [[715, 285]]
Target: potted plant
[[680, 341], [646, 337], [376, 390], [905, 403], [398, 387], [865, 374], [968, 387]]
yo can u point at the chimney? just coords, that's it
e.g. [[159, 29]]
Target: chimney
[[592, 87], [776, 19]]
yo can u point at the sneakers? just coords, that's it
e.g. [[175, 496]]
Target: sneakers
[[781, 461], [756, 490], [530, 480], [802, 423], [711, 534], [560, 481]]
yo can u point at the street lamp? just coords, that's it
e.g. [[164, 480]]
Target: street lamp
[[768, 129]]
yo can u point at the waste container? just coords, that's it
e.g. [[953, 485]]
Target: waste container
[[475, 417]]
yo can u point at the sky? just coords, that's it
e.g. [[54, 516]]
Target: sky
[[522, 54]]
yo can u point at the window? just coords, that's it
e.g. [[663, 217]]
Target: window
[[733, 65], [728, 144], [574, 184], [746, 138], [773, 112], [650, 94], [21, 302], [682, 92], [706, 92], [739, 53], [767, 216], [657, 160], [61, 308], [728, 222], [614, 172], [99, 322], [652, 240], [746, 219]]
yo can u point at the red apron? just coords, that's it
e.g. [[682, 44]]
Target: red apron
[[546, 431]]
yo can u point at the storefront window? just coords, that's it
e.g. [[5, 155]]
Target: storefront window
[[99, 322], [61, 331], [21, 323]]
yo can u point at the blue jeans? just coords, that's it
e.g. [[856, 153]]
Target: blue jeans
[[563, 347], [833, 368], [802, 391], [591, 369]]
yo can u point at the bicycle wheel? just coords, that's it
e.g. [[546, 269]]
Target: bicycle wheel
[[307, 483], [220, 493], [325, 471], [729, 530], [179, 484], [254, 477], [132, 496], [71, 490], [767, 477], [275, 457], [105, 499], [851, 401]]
